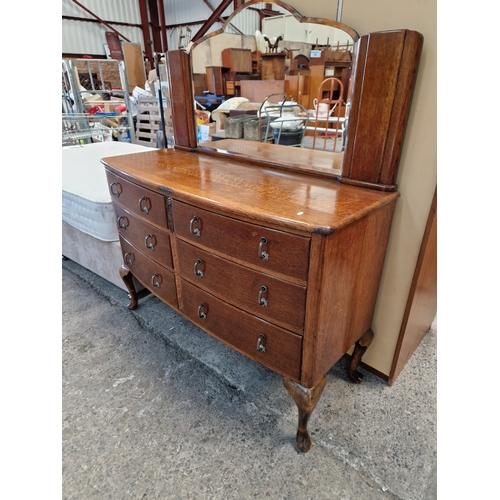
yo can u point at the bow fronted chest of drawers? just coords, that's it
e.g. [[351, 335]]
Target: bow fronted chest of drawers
[[282, 267]]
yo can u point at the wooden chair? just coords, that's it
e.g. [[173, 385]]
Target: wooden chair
[[328, 124]]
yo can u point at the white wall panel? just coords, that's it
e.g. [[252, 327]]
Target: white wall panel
[[82, 38], [247, 22], [184, 11], [125, 11], [79, 37]]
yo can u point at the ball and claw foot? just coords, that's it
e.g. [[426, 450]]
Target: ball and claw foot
[[127, 278], [306, 400], [303, 441], [360, 348]]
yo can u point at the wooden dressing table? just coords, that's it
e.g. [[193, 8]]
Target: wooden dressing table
[[283, 268], [275, 251]]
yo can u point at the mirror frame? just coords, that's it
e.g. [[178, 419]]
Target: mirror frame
[[383, 79], [299, 17]]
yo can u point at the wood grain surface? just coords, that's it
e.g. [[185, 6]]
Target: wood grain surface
[[279, 199], [283, 302]]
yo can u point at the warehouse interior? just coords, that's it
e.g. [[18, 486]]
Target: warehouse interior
[[231, 433], [260, 61]]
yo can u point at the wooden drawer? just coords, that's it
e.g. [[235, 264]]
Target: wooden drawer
[[284, 253], [152, 275], [149, 239], [278, 301], [230, 87], [146, 204], [241, 331]]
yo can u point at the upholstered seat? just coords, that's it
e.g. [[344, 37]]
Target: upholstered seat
[[220, 114]]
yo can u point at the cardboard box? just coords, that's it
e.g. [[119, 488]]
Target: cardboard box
[[108, 106], [206, 132], [153, 79]]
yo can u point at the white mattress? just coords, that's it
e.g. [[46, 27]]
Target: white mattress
[[86, 202]]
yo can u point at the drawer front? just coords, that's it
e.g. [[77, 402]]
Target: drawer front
[[152, 275], [146, 204], [149, 239], [269, 249], [270, 298], [261, 341]]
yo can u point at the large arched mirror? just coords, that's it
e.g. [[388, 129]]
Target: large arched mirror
[[380, 69], [272, 76]]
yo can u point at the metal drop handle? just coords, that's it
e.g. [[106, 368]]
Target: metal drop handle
[[150, 241], [197, 271], [118, 190], [263, 254], [260, 346], [122, 222], [261, 300], [144, 208], [195, 230], [156, 280], [129, 258], [201, 314]]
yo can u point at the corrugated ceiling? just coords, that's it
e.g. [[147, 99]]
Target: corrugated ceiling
[[81, 37]]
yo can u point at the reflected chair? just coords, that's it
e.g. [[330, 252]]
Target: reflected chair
[[328, 122]]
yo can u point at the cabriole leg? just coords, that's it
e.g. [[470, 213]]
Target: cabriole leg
[[306, 400], [126, 276], [360, 348]]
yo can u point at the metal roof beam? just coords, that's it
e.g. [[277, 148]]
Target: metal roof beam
[[213, 18], [163, 29], [146, 35], [221, 19]]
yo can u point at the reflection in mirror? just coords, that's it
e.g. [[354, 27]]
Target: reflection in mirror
[[269, 56]]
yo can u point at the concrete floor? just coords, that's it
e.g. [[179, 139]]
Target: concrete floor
[[154, 408]]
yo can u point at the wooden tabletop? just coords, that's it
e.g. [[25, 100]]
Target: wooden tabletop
[[228, 186]]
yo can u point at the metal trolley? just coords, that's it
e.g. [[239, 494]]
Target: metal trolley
[[287, 121], [80, 126]]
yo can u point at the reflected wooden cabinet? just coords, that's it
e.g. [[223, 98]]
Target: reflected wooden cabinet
[[237, 60], [216, 79], [331, 63], [273, 66]]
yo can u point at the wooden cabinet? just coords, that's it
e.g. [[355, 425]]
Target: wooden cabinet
[[220, 80], [248, 255], [331, 63], [215, 80], [273, 66], [237, 60], [237, 64]]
